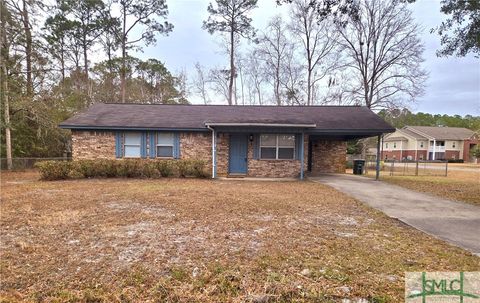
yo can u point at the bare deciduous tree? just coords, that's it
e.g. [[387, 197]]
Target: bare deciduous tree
[[230, 17], [200, 83], [255, 74], [318, 40], [384, 54], [274, 48], [293, 79], [220, 79]]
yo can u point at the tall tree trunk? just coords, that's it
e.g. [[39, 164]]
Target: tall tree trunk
[[85, 59], [124, 54], [309, 86], [241, 83], [6, 106], [28, 47], [232, 68], [62, 61], [4, 58], [277, 82]]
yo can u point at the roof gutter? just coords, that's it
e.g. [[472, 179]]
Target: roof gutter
[[131, 128], [298, 125]]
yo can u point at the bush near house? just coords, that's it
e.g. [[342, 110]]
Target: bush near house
[[129, 168]]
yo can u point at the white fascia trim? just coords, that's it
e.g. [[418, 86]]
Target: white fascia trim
[[410, 136], [420, 133]]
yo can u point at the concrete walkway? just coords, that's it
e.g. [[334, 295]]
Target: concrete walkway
[[454, 222]]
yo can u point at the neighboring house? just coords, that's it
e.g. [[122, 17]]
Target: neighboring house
[[429, 143], [258, 141]]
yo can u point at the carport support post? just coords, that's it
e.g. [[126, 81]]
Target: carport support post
[[377, 168]]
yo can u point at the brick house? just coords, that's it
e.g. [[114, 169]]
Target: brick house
[[429, 143], [256, 141]]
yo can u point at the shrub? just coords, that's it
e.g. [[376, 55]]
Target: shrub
[[129, 168], [192, 168], [87, 168], [199, 169], [126, 168], [149, 170], [166, 168], [455, 161], [54, 170]]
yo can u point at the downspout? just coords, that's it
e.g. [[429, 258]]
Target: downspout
[[302, 156], [214, 152]]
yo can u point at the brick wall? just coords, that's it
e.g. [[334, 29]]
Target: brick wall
[[256, 167], [452, 154], [222, 154], [467, 146], [196, 145], [399, 155], [328, 156], [421, 155], [273, 168], [93, 145]]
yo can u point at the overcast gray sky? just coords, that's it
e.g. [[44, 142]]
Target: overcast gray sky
[[453, 86]]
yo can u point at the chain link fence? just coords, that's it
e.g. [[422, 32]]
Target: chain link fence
[[409, 168], [417, 168], [28, 163], [404, 167]]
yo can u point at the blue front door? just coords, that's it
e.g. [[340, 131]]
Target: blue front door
[[238, 154]]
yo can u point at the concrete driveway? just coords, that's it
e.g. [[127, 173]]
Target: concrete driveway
[[454, 222]]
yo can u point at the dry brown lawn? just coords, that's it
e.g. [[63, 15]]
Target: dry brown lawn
[[461, 186], [186, 240]]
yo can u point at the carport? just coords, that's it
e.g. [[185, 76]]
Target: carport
[[318, 138]]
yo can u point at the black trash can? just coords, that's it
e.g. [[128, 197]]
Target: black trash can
[[358, 166]]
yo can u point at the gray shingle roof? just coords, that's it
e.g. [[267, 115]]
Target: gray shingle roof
[[412, 134], [442, 133], [194, 117]]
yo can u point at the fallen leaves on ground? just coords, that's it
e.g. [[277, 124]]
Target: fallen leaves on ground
[[189, 240]]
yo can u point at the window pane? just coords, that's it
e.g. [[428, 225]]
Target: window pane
[[286, 140], [132, 151], [165, 138], [285, 153], [164, 151], [132, 138], [268, 153], [268, 140]]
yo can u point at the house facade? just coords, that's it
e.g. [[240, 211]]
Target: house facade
[[253, 141], [429, 143]]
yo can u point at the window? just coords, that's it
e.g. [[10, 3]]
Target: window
[[386, 145], [165, 145], [453, 144], [277, 146], [421, 144], [394, 144], [131, 145]]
